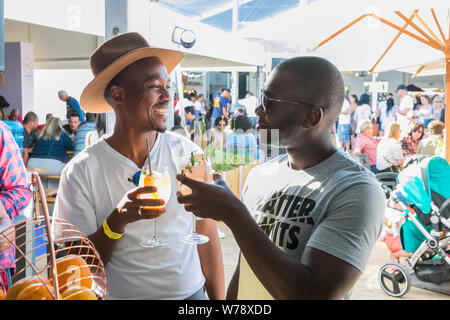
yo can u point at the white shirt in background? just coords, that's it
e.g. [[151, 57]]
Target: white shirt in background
[[362, 113], [200, 106], [389, 149], [345, 118], [250, 104], [425, 112], [405, 103]]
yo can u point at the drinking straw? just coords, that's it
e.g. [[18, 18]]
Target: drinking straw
[[148, 155]]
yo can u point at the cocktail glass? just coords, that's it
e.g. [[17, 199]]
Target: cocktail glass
[[200, 171], [161, 180]]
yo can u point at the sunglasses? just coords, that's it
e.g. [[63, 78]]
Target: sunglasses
[[265, 102]]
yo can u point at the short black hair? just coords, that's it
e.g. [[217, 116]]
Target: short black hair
[[218, 119], [72, 113], [242, 123], [189, 109], [364, 99], [225, 89], [241, 109], [326, 89], [30, 116]]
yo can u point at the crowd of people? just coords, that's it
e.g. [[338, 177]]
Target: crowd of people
[[220, 129], [386, 138], [51, 145]]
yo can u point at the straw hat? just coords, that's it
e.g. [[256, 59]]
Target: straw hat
[[112, 57]]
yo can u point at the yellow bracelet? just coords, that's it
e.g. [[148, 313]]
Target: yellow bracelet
[[109, 233]]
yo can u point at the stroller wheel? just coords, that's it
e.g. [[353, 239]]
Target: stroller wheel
[[394, 279]]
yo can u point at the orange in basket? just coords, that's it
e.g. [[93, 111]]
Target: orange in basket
[[36, 291], [78, 293], [17, 287], [72, 271]]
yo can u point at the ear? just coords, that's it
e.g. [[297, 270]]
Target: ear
[[312, 117], [116, 95]]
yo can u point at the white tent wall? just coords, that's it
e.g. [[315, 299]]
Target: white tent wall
[[46, 86], [54, 48], [87, 16]]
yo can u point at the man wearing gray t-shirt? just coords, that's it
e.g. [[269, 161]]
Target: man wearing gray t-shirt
[[309, 219]]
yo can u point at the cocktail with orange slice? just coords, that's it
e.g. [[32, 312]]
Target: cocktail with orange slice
[[161, 180]]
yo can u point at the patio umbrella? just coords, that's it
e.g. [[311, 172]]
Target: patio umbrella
[[420, 31]]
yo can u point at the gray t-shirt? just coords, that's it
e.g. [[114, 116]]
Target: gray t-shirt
[[337, 207]]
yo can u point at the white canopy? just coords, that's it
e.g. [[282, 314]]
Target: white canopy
[[360, 46]]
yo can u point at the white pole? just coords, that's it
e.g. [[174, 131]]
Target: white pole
[[178, 74], [374, 93], [116, 22]]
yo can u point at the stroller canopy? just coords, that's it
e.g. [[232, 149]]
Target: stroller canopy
[[421, 184], [427, 181]]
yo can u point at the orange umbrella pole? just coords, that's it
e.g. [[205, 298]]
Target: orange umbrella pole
[[438, 25], [392, 25], [431, 44], [416, 27], [435, 37], [341, 30], [392, 42]]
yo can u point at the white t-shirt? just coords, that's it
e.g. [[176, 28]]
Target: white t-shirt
[[345, 118], [387, 119], [319, 207], [250, 104], [200, 106], [405, 103], [362, 113], [389, 149], [425, 112], [92, 185]]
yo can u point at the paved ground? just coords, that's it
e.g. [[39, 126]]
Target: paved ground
[[367, 287]]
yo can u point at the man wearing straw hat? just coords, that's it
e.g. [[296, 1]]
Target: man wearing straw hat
[[96, 193]]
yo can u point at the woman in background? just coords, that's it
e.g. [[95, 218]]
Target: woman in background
[[50, 150], [426, 110], [410, 143], [363, 111], [438, 106], [388, 114], [389, 151], [353, 99]]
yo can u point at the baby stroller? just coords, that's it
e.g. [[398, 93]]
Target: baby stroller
[[423, 195]]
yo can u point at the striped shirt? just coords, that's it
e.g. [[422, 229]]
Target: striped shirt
[[80, 137], [368, 145], [15, 193]]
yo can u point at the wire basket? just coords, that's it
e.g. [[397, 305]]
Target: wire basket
[[54, 253]]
